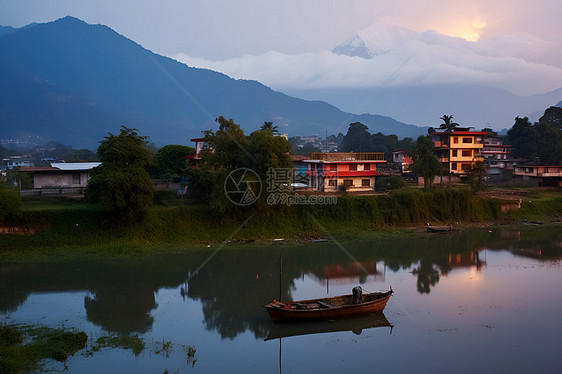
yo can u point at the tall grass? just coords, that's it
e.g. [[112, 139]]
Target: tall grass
[[195, 224]]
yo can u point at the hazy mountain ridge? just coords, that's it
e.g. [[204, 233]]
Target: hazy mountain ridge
[[470, 105], [73, 82]]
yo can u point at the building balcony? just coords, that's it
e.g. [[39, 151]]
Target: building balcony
[[347, 156]]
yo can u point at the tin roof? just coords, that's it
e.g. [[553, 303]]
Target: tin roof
[[68, 166]]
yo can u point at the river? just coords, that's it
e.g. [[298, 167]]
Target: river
[[480, 300]]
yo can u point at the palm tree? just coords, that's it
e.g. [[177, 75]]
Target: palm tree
[[269, 126], [448, 123]]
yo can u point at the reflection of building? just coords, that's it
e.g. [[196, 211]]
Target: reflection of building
[[465, 260], [351, 171], [352, 273], [458, 150], [542, 176]]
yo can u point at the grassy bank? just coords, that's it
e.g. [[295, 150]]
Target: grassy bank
[[86, 229]]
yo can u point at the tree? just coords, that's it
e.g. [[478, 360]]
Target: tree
[[308, 148], [425, 162], [476, 174], [269, 126], [10, 205], [170, 161], [448, 123], [491, 132], [549, 134], [121, 184], [523, 139], [268, 151], [229, 149], [357, 139]]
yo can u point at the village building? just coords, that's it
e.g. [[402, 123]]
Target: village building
[[60, 177], [538, 175], [330, 172], [458, 150], [496, 156], [402, 158]]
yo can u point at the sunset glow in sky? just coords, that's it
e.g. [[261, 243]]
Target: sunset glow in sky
[[512, 44]]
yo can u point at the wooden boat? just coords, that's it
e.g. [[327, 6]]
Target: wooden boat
[[356, 325], [438, 228], [336, 307]]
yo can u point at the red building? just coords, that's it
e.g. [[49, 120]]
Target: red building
[[330, 172]]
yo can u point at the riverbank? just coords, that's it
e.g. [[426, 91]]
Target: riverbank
[[56, 232]]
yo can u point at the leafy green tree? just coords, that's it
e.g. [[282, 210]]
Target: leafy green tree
[[268, 151], [475, 175], [308, 148], [425, 162], [549, 136], [170, 161], [229, 149], [357, 139], [522, 137], [226, 148], [538, 143], [491, 133], [121, 184]]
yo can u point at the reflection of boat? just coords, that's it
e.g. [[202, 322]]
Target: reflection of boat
[[336, 307], [356, 325]]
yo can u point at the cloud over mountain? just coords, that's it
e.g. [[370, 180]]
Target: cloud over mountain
[[388, 55]]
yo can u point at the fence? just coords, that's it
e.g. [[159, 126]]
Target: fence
[[53, 191]]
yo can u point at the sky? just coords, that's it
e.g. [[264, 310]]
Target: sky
[[511, 44]]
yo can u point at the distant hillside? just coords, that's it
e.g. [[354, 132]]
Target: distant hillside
[[73, 82], [471, 105]]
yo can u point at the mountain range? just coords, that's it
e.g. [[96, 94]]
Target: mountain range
[[73, 82]]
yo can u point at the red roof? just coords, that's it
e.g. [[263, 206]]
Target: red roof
[[197, 139], [298, 157], [38, 168]]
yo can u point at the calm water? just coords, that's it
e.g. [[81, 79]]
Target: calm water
[[476, 301]]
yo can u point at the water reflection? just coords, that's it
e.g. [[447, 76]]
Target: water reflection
[[356, 325], [234, 285]]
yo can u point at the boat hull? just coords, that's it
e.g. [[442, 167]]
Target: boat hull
[[341, 307]]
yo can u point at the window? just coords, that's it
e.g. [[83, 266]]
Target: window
[[466, 167], [75, 178], [453, 166], [467, 140], [353, 167], [454, 153], [456, 140], [333, 167], [365, 182], [467, 153], [332, 182], [348, 182], [367, 167]]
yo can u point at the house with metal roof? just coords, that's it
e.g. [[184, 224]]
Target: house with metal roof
[[61, 177]]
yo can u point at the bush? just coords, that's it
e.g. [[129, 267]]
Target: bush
[[10, 205], [391, 183]]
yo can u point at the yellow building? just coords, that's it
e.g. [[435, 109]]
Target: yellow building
[[458, 150]]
